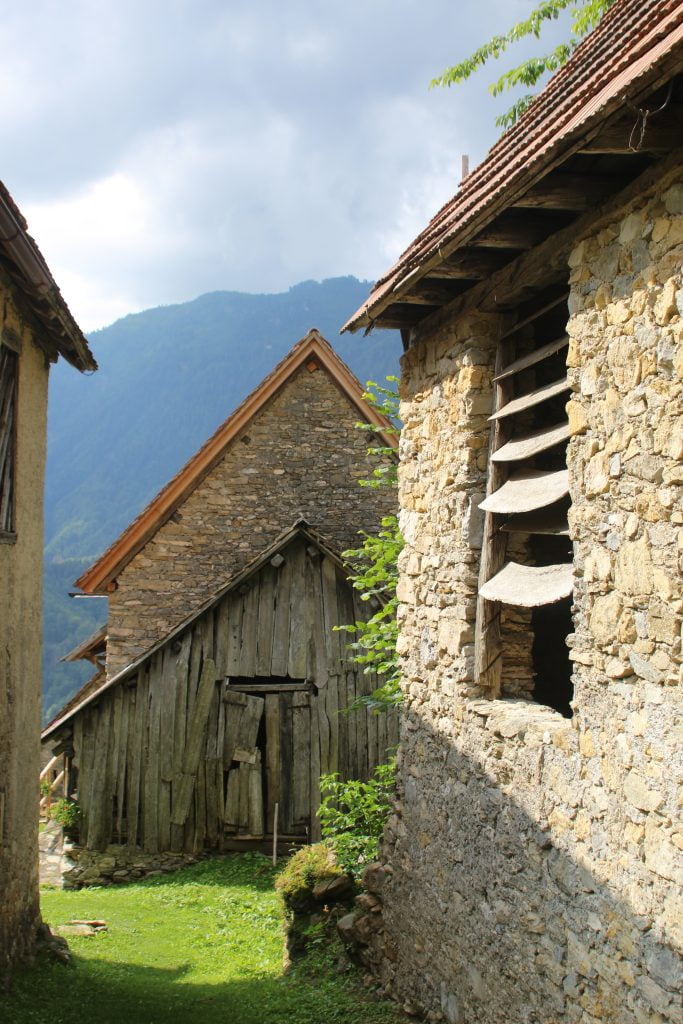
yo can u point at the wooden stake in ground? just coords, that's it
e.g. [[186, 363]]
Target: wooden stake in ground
[[277, 807]]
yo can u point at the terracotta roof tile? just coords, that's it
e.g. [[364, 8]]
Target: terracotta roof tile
[[629, 41]]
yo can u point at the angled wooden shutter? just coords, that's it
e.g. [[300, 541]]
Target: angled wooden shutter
[[521, 497]]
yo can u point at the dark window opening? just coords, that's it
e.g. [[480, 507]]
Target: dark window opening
[[527, 505], [9, 367]]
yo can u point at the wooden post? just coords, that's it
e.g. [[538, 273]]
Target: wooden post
[[277, 807]]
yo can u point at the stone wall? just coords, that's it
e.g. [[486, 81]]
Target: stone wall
[[534, 862], [300, 456], [20, 644]]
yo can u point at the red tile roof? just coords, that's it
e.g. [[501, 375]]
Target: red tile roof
[[610, 65]]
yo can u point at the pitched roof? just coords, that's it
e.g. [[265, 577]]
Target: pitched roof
[[611, 67], [90, 692], [87, 692], [89, 648], [23, 261], [311, 347]]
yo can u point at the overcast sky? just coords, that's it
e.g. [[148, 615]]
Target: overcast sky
[[160, 150]]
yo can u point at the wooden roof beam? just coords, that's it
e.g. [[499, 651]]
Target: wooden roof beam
[[628, 135], [469, 264], [570, 192], [520, 230], [429, 292], [403, 314]]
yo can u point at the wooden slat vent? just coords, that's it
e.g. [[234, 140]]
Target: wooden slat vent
[[528, 487]]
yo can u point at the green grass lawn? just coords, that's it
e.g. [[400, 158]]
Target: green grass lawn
[[202, 945]]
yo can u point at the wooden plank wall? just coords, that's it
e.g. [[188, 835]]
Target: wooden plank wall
[[188, 747]]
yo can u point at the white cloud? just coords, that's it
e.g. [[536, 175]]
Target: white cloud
[[164, 149]]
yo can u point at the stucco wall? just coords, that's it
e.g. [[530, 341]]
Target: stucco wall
[[301, 456], [20, 644], [534, 862]]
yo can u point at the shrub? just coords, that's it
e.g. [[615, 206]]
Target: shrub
[[66, 813], [308, 866], [353, 815]]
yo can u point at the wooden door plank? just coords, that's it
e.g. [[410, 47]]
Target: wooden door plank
[[331, 583], [272, 756], [200, 807], [331, 696], [235, 704], [249, 632], [139, 737], [318, 646], [266, 619], [126, 707], [100, 813], [243, 812], [315, 766], [222, 636], [255, 811], [212, 815], [150, 822], [286, 757], [232, 800], [251, 719], [301, 769], [280, 655], [193, 746], [298, 631], [232, 667]]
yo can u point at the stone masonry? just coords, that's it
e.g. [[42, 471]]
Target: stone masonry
[[533, 863], [301, 456]]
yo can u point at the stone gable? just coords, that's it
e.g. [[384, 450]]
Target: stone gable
[[299, 457]]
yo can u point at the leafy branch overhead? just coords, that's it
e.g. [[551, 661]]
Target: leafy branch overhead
[[585, 16]]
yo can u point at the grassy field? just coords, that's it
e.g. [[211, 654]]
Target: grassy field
[[201, 945]]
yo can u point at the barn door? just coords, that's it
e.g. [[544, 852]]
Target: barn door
[[288, 762], [243, 764]]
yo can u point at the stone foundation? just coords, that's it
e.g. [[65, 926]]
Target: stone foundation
[[117, 865]]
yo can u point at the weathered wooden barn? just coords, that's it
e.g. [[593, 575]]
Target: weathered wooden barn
[[225, 683], [220, 732]]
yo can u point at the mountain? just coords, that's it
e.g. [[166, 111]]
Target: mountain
[[168, 377]]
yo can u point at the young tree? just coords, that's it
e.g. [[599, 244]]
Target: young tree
[[585, 14], [374, 570]]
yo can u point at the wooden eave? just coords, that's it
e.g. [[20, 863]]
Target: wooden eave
[[57, 331], [90, 647], [299, 529], [522, 195], [313, 347]]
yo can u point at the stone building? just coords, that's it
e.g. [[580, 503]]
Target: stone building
[[290, 451], [224, 675], [533, 862], [36, 328]]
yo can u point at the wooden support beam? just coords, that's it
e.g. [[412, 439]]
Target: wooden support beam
[[571, 192], [428, 292], [520, 230], [662, 133], [469, 265], [402, 314]]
